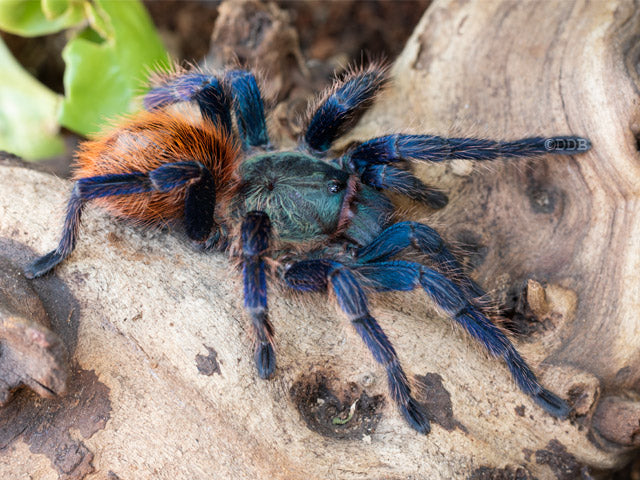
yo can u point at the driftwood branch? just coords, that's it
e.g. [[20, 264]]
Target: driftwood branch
[[162, 352], [32, 354]]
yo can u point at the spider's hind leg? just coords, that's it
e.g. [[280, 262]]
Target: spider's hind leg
[[86, 189], [199, 203], [67, 243], [207, 91], [309, 275], [200, 198], [425, 239], [238, 90], [403, 275]]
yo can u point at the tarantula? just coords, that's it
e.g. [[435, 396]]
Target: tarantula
[[324, 221]]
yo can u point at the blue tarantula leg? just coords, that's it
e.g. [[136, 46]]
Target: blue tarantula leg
[[339, 106], [248, 107], [199, 203], [403, 275], [206, 90], [397, 180], [200, 199], [316, 275], [199, 206], [67, 243], [255, 233], [395, 148], [83, 190], [402, 235]]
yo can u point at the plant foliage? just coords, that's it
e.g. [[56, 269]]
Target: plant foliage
[[112, 46]]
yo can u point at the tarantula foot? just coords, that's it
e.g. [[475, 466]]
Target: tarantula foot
[[553, 404], [216, 241], [414, 413], [43, 264], [265, 359], [436, 199]]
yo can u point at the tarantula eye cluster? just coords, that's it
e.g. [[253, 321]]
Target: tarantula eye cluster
[[335, 186], [327, 218]]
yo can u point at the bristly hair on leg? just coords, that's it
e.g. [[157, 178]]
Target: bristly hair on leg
[[338, 108]]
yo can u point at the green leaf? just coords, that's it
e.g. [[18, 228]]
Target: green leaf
[[31, 18], [28, 112], [53, 9], [107, 64]]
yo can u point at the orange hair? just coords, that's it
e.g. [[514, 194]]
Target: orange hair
[[146, 141]]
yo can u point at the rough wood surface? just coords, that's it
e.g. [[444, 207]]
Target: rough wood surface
[[32, 354], [163, 380]]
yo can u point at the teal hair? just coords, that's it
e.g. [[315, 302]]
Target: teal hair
[[304, 197]]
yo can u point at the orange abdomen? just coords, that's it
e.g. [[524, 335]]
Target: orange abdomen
[[148, 140]]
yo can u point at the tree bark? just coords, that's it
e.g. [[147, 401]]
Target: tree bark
[[163, 383]]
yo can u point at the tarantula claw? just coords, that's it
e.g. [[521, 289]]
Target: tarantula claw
[[42, 265], [435, 199], [414, 413], [553, 404], [265, 359]]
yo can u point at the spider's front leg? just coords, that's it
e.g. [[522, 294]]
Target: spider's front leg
[[394, 148], [378, 161], [256, 229], [309, 275], [339, 107]]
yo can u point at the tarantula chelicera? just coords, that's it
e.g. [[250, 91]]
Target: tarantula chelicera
[[322, 222]]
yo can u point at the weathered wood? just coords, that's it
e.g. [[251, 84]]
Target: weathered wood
[[32, 354], [555, 239]]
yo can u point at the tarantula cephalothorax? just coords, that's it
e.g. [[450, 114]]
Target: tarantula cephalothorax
[[326, 221]]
